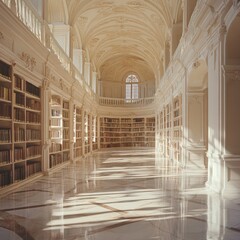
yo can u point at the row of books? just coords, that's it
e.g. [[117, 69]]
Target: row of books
[[33, 150], [5, 178], [5, 110], [66, 156], [30, 88], [66, 133], [19, 134], [78, 111], [18, 153], [78, 134], [5, 93], [78, 143], [33, 134], [56, 122], [33, 167], [77, 152], [5, 156], [5, 135], [19, 98], [65, 123], [19, 172], [33, 104], [19, 114], [33, 117], [55, 159], [78, 119], [55, 147], [66, 145], [19, 82], [177, 122], [65, 114]]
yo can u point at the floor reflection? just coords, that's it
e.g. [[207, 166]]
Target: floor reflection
[[120, 194]]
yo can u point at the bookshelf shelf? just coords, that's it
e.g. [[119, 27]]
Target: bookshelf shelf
[[59, 131], [20, 130], [127, 132]]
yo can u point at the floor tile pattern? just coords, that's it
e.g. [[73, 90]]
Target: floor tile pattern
[[119, 194]]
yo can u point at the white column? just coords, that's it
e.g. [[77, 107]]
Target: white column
[[71, 127], [45, 126], [216, 165]]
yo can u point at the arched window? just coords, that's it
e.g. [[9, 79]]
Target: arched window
[[132, 87]]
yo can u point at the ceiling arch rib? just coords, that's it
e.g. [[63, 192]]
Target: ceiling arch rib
[[113, 30]]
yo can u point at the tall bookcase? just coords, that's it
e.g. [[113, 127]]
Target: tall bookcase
[[110, 135], [161, 133], [138, 132], [150, 132], [66, 130], [177, 127], [6, 160], [59, 131], [77, 132], [127, 132], [94, 133], [20, 128], [86, 133], [168, 130]]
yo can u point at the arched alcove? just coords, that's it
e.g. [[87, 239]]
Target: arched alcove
[[232, 43], [232, 86]]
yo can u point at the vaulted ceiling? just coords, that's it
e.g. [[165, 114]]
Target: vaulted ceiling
[[120, 36]]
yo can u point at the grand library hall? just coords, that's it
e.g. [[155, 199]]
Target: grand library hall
[[119, 120]]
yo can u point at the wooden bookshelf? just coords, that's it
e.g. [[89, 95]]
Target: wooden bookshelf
[[150, 132], [177, 128], [94, 133], [20, 129], [66, 131], [55, 131], [161, 133], [86, 133], [77, 132], [110, 132], [167, 128], [138, 132], [127, 132]]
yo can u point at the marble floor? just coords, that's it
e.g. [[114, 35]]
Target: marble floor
[[122, 194]]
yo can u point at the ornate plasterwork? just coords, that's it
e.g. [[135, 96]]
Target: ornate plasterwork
[[93, 42], [29, 61], [82, 21], [134, 4], [45, 83], [195, 99], [59, 83]]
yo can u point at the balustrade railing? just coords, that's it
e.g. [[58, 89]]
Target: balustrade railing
[[120, 102], [30, 18], [57, 49]]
